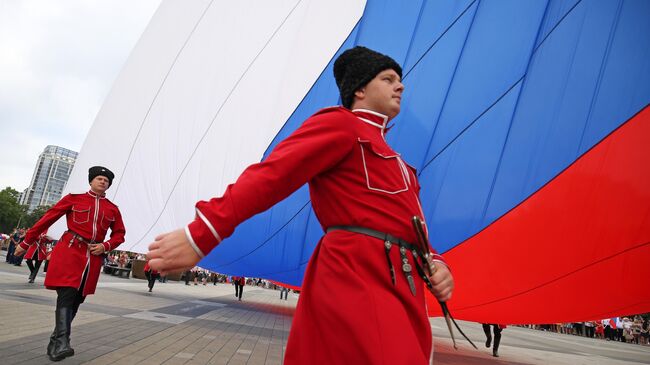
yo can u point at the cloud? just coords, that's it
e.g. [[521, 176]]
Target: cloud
[[58, 61]]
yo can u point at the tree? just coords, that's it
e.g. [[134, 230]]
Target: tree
[[10, 211], [35, 215]]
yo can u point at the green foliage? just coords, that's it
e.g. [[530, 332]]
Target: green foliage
[[33, 217], [10, 211], [14, 215]]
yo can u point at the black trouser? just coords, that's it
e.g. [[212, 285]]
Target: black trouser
[[68, 297], [33, 266], [497, 335], [285, 292], [578, 328], [152, 279], [589, 331], [10, 253], [609, 333], [239, 289]]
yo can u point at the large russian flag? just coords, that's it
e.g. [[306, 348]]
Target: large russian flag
[[527, 121]]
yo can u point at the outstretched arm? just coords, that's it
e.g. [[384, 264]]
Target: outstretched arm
[[318, 145], [51, 216]]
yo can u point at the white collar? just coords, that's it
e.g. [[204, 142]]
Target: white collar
[[95, 195], [382, 116]]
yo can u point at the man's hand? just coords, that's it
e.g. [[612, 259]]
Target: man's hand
[[97, 249], [19, 251], [442, 281], [172, 252]]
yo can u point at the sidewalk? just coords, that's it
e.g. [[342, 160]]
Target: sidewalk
[[177, 324]]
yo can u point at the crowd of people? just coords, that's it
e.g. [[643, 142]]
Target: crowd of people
[[631, 329], [124, 259]]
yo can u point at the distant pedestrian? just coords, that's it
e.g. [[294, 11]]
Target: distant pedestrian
[[15, 241], [36, 254], [600, 330], [645, 332], [609, 325], [590, 328], [496, 328], [637, 325], [151, 275], [239, 286], [284, 291]]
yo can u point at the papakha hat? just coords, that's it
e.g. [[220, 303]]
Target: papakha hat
[[356, 67]]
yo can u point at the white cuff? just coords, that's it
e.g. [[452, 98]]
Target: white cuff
[[196, 248], [209, 225]]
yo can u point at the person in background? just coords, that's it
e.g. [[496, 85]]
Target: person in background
[[589, 328], [637, 325], [77, 258], [628, 335], [36, 254], [151, 275], [16, 239], [600, 330], [239, 282], [496, 328]]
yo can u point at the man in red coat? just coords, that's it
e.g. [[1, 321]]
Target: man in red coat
[[362, 301], [152, 275], [77, 258], [35, 255]]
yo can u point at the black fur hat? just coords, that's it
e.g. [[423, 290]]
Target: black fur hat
[[95, 171], [358, 66]]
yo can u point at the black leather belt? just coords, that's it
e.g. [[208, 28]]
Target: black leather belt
[[76, 236], [389, 240], [376, 234]]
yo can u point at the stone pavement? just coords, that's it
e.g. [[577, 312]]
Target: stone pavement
[[178, 324]]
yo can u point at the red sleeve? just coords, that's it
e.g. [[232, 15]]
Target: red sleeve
[[51, 216], [319, 144], [117, 232]]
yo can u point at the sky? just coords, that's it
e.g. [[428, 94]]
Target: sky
[[58, 61]]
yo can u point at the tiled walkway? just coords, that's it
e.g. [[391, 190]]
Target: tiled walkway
[[178, 324]]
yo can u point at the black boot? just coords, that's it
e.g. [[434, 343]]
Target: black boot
[[61, 348], [32, 276], [50, 346], [497, 340], [73, 313]]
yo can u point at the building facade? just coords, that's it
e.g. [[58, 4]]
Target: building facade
[[50, 176]]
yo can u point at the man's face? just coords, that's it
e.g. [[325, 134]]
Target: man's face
[[99, 184], [383, 94]]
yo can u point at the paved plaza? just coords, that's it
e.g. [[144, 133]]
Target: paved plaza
[[179, 324]]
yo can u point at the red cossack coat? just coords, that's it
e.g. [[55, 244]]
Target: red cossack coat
[[90, 216], [349, 311], [38, 250]]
